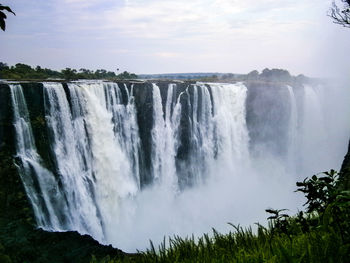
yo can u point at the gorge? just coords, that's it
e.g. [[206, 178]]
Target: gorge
[[131, 161]]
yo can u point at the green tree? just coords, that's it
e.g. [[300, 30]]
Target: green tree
[[69, 74], [3, 15], [127, 75], [3, 66], [253, 75]]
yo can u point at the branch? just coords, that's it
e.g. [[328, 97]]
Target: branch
[[341, 16]]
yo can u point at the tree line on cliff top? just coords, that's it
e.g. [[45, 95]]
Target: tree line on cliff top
[[25, 72]]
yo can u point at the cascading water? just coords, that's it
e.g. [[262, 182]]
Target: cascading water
[[202, 162], [163, 138], [293, 129], [203, 148], [313, 133], [230, 119], [74, 168], [34, 176], [125, 124]]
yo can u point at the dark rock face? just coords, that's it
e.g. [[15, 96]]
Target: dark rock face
[[345, 170], [143, 93], [34, 95], [13, 201], [20, 241], [144, 106], [24, 244], [7, 132], [268, 113]]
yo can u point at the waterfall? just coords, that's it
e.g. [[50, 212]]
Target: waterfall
[[293, 130], [112, 177], [203, 148], [165, 125], [230, 119], [73, 160], [314, 137], [198, 140], [125, 124], [34, 176]]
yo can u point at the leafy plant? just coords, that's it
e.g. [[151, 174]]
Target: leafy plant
[[280, 221], [331, 204], [319, 191]]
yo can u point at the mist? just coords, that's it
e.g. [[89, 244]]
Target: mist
[[218, 153], [231, 195], [238, 193]]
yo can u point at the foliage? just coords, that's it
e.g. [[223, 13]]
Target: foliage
[[3, 16], [25, 72], [329, 202], [319, 235], [341, 15], [319, 191], [276, 75], [211, 78]]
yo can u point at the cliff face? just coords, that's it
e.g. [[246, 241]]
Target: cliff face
[[20, 241], [268, 125], [13, 201], [267, 116]]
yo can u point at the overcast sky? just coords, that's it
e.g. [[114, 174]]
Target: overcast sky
[[160, 36]]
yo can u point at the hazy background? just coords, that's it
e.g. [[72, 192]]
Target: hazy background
[[159, 36]]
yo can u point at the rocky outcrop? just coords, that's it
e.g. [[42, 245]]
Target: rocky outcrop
[[345, 170]]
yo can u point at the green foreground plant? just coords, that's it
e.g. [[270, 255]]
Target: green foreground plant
[[321, 234]]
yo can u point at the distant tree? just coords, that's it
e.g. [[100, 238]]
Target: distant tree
[[23, 71], [3, 16], [85, 74], [3, 66], [126, 75], [69, 74], [340, 13], [227, 76], [302, 78], [253, 75], [275, 75]]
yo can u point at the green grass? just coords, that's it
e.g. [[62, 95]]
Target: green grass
[[318, 245]]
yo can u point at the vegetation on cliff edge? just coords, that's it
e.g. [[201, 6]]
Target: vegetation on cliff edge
[[25, 72]]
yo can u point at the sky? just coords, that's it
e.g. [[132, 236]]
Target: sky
[[163, 36]]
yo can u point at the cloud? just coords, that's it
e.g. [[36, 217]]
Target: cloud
[[155, 19], [167, 54], [245, 33]]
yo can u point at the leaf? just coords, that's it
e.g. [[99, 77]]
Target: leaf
[[2, 7], [271, 211], [300, 184], [2, 24], [2, 15], [326, 179]]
